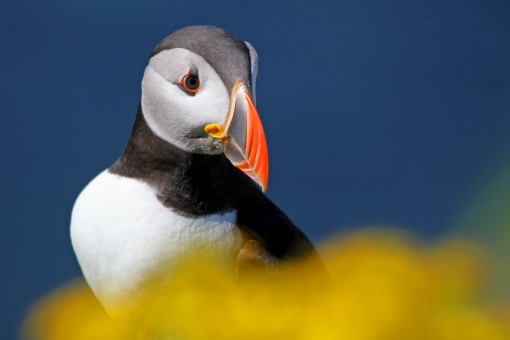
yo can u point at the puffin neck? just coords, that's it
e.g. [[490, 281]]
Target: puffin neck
[[191, 184]]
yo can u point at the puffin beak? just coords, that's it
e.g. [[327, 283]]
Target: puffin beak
[[244, 141]]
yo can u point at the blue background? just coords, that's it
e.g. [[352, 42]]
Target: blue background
[[388, 113]]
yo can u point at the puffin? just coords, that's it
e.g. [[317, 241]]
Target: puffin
[[192, 177]]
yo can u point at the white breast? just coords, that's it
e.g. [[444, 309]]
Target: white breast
[[122, 234]]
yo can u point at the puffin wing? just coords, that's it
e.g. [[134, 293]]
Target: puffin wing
[[270, 237]]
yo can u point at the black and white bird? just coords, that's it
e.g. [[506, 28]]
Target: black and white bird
[[192, 176]]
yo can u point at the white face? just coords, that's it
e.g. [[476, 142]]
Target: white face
[[177, 116]]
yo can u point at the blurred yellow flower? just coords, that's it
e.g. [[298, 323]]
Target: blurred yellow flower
[[385, 286]]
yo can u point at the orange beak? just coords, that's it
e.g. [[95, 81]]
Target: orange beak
[[244, 140]]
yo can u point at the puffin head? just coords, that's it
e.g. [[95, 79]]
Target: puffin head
[[198, 93]]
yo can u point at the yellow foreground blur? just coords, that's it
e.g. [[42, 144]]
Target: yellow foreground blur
[[385, 286]]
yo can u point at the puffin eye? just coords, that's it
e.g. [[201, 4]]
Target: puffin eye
[[190, 82]]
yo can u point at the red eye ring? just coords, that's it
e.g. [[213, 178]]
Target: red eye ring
[[190, 82]]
